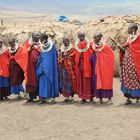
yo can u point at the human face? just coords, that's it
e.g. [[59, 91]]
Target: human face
[[36, 38], [43, 39], [81, 37], [12, 44], [97, 39], [66, 42], [130, 30]]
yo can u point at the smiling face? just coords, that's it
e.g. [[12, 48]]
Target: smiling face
[[97, 37], [81, 37], [66, 42]]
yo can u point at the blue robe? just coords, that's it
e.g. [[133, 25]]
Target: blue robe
[[4, 87], [47, 72], [4, 82]]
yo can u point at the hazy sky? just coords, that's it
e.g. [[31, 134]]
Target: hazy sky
[[83, 7]]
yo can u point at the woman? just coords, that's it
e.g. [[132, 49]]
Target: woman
[[17, 67], [103, 69], [4, 72], [47, 71], [83, 68], [66, 70], [33, 54], [130, 66]]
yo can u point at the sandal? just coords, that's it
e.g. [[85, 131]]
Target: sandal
[[128, 102]]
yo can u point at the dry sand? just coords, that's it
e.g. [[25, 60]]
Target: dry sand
[[21, 121]]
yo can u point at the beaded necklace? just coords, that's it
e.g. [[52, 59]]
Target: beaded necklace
[[84, 49]]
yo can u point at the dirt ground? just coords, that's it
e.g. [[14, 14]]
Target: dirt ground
[[22, 121]]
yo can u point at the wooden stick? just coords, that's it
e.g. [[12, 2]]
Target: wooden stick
[[117, 45]]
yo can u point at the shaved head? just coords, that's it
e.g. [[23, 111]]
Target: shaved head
[[81, 32], [35, 34], [99, 34], [66, 37], [132, 28]]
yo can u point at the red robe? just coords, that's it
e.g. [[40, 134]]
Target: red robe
[[135, 52], [83, 71], [105, 68], [16, 73], [4, 64], [4, 74], [27, 44], [21, 57], [68, 63], [31, 85]]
